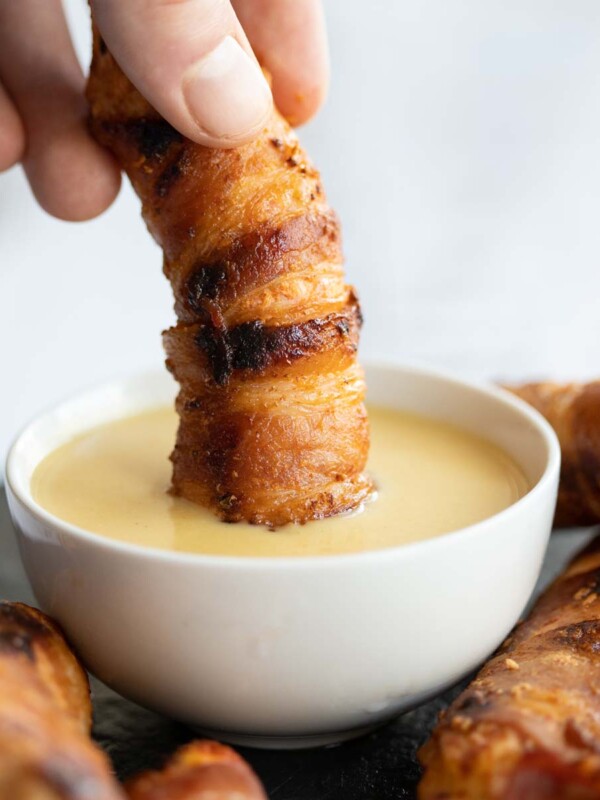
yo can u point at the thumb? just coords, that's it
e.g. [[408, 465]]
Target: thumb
[[192, 62]]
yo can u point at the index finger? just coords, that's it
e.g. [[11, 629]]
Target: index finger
[[289, 39]]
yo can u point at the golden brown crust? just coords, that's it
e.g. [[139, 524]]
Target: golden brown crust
[[45, 715], [29, 638], [573, 410], [273, 428], [199, 771], [528, 726], [233, 282]]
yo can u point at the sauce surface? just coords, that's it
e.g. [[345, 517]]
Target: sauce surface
[[432, 478]]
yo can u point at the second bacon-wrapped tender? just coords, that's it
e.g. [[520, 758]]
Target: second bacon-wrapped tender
[[46, 752], [528, 726], [573, 410]]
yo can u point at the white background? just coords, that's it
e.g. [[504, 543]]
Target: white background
[[460, 144]]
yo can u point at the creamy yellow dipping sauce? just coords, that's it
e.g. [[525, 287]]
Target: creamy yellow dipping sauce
[[432, 478]]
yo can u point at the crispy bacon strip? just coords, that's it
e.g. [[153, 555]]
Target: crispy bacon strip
[[528, 726], [573, 410], [45, 715], [273, 428], [199, 771]]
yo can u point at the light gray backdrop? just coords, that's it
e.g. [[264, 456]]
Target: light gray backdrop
[[460, 144]]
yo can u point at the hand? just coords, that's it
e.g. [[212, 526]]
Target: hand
[[190, 58]]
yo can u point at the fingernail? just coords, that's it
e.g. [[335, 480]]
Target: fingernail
[[227, 93]]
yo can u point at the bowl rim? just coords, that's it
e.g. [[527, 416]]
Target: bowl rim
[[327, 561]]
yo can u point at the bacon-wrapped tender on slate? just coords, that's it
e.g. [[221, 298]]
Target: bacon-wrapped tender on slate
[[528, 726], [573, 410], [273, 428], [46, 752], [201, 770]]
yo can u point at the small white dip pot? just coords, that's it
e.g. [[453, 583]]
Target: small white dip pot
[[291, 652]]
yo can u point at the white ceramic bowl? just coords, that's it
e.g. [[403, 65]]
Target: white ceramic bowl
[[291, 652]]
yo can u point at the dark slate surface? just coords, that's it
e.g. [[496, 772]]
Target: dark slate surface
[[380, 766]]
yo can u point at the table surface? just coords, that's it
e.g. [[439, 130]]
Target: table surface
[[380, 766]]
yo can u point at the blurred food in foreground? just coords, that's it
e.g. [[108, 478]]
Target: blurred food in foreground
[[528, 726], [46, 752], [45, 715], [201, 770]]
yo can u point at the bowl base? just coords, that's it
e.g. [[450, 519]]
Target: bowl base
[[261, 742]]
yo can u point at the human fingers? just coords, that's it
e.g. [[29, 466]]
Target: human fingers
[[290, 40], [71, 176], [12, 134], [193, 63]]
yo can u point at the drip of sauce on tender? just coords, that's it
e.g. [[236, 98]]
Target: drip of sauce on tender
[[433, 478]]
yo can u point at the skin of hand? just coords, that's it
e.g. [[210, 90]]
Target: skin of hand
[[197, 62]]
